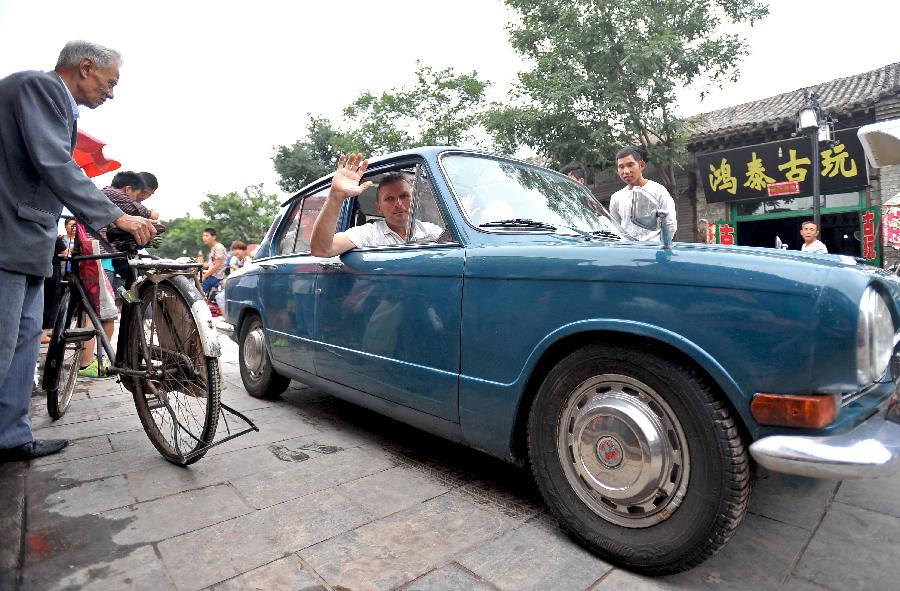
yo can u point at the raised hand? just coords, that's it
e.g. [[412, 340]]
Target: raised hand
[[345, 182]]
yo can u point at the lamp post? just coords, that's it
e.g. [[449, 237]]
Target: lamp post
[[812, 120]]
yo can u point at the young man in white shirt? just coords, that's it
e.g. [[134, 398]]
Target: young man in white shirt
[[810, 233], [393, 199], [630, 163]]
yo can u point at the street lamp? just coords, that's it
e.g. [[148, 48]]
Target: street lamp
[[812, 120]]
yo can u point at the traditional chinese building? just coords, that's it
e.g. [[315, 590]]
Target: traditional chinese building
[[741, 156]]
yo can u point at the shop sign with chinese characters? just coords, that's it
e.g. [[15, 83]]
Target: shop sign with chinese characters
[[745, 173], [868, 223]]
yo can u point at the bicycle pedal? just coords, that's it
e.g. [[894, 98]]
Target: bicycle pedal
[[78, 335]]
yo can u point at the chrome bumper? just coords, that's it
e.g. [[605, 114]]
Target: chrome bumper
[[870, 450]]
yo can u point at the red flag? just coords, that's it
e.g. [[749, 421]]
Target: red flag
[[89, 155]]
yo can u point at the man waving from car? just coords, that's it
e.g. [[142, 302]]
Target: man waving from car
[[393, 198]]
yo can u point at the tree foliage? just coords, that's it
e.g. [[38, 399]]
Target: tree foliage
[[182, 237], [605, 74], [244, 215], [312, 157], [442, 107]]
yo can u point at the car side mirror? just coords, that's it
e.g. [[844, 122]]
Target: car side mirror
[[643, 210]]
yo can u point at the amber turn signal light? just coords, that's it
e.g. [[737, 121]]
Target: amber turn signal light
[[803, 412]]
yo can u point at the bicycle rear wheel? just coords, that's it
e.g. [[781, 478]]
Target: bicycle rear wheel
[[178, 400], [63, 356]]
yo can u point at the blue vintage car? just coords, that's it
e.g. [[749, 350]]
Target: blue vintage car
[[640, 380]]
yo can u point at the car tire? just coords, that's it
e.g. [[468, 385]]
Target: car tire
[[638, 458], [259, 377]]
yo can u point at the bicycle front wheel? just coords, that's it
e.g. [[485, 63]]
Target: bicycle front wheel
[[177, 398], [63, 355]]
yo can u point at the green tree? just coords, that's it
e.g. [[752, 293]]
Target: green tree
[[182, 237], [244, 216], [442, 107], [605, 74], [312, 157]]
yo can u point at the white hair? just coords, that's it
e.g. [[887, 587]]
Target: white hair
[[75, 51]]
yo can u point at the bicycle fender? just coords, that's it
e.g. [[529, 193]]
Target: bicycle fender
[[209, 337]]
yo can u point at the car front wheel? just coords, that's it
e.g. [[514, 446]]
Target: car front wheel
[[259, 377], [638, 458]]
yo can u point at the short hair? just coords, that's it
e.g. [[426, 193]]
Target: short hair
[[636, 151], [127, 178], [211, 231], [575, 169], [389, 178], [237, 244], [809, 222], [66, 223], [149, 179], [75, 51]]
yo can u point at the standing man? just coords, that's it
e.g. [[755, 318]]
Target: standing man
[[38, 114], [630, 163], [810, 233]]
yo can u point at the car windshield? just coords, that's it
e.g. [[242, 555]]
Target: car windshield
[[501, 195]]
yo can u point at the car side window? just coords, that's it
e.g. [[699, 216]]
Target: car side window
[[298, 230], [424, 207]]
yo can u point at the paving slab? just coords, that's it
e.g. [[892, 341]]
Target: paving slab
[[222, 551], [623, 580], [798, 584], [286, 573], [103, 466], [139, 570], [302, 478], [397, 549], [77, 449], [171, 516], [84, 429], [535, 556], [52, 499], [762, 551], [854, 548], [875, 494], [12, 521], [391, 491], [791, 499], [451, 576]]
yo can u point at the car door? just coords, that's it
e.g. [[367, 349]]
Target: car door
[[388, 322], [287, 288]]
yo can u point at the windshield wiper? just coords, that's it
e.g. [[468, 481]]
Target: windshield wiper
[[606, 234], [518, 223]]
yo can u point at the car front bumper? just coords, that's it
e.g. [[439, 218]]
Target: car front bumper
[[870, 450]]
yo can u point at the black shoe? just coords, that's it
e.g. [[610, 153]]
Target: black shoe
[[35, 449]]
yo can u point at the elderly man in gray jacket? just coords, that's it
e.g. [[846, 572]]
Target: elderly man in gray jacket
[[38, 124]]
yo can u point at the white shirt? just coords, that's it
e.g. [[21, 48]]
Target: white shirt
[[380, 234], [620, 209], [814, 246]]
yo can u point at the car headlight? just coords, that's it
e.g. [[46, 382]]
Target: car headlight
[[874, 337]]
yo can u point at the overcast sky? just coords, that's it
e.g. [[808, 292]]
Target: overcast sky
[[208, 89]]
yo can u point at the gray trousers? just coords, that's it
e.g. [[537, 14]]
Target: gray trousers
[[21, 306]]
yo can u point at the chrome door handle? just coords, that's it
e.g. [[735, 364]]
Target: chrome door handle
[[267, 265], [331, 264]]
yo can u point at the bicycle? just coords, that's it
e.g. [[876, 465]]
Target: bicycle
[[166, 355]]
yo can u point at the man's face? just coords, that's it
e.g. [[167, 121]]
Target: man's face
[[208, 239], [393, 203], [132, 193], [809, 232], [95, 85], [147, 193], [631, 171]]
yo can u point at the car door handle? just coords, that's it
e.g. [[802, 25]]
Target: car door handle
[[331, 264], [267, 265]]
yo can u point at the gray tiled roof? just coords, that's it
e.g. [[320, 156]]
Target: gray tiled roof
[[837, 97]]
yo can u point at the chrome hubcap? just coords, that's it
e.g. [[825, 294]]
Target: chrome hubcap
[[255, 351], [623, 451]]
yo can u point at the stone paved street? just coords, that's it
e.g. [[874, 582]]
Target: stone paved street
[[330, 496]]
